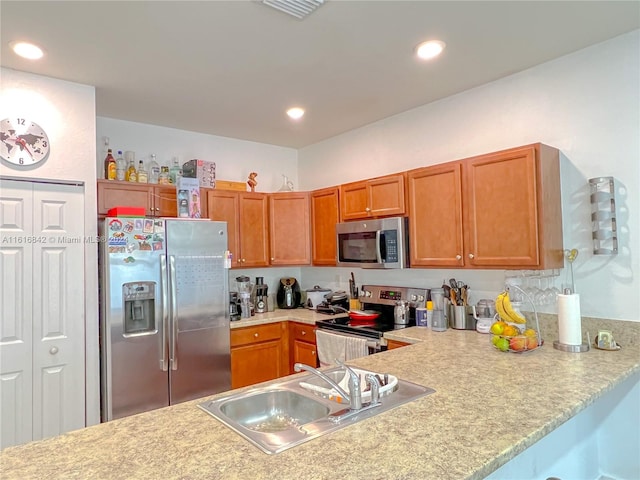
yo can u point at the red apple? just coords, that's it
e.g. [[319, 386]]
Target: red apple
[[518, 343]]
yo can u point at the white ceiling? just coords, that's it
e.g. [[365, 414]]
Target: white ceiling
[[231, 68]]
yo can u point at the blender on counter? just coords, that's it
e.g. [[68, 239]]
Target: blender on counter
[[245, 289]]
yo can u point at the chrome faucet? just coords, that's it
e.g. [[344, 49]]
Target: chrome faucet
[[354, 397]]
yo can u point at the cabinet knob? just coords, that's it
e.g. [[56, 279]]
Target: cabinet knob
[[255, 335], [367, 209], [53, 350], [471, 255], [272, 259], [458, 257], [303, 332], [313, 352]]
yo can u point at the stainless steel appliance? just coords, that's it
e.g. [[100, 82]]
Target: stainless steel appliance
[[377, 243], [164, 323], [382, 299], [289, 295], [260, 294]]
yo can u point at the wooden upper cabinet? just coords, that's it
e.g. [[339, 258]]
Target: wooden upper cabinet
[[513, 211], [254, 229], [289, 227], [377, 197], [500, 210], [325, 213], [435, 219], [158, 201], [224, 206], [247, 225]]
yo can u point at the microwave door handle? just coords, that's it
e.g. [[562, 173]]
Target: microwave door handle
[[381, 251]]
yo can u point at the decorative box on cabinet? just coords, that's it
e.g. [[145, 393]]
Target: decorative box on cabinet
[[259, 353], [325, 213], [499, 210], [303, 344], [376, 197]]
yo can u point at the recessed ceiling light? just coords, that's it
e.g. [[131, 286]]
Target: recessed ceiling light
[[296, 113], [27, 50], [430, 49]]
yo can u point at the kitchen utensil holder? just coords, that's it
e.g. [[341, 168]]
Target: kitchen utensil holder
[[604, 230]]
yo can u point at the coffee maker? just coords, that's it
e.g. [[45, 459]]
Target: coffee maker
[[260, 295], [289, 295]]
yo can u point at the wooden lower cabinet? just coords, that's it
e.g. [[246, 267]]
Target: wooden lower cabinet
[[259, 353], [302, 344], [391, 344]]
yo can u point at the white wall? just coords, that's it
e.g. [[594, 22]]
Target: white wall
[[67, 113], [586, 104], [234, 158]]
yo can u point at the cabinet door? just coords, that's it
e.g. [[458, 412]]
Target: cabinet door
[[165, 202], [435, 216], [304, 352], [289, 228], [354, 201], [223, 206], [501, 209], [256, 363], [325, 213], [391, 344], [115, 194], [254, 229], [386, 196]]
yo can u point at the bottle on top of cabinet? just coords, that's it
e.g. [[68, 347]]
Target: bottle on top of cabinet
[[175, 171], [110, 166], [163, 179], [154, 170], [143, 177], [121, 167]]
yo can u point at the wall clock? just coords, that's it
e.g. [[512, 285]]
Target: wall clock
[[23, 142]]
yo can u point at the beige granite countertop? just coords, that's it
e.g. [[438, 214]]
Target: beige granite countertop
[[488, 407], [302, 315]]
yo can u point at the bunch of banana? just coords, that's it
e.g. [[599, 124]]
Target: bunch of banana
[[506, 310]]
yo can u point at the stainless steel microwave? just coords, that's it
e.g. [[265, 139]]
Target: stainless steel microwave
[[378, 243]]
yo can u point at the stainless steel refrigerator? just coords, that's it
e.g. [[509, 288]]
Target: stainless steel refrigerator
[[164, 313]]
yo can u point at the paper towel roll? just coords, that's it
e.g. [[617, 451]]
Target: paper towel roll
[[569, 321]]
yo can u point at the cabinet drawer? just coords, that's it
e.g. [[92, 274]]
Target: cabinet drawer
[[255, 334], [304, 333]]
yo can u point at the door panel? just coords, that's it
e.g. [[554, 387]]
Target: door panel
[[16, 330], [58, 313]]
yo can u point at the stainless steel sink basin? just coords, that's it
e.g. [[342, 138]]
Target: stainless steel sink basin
[[273, 411], [282, 414]]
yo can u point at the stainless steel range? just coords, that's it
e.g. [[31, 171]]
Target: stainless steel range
[[382, 299]]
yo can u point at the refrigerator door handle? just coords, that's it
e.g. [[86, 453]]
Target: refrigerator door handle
[[173, 330], [164, 288]]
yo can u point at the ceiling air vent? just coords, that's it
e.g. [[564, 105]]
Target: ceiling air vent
[[297, 8]]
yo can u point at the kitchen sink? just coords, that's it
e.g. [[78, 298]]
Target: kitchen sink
[[282, 414], [273, 411]]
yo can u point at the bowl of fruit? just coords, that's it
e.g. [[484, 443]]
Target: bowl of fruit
[[509, 333]]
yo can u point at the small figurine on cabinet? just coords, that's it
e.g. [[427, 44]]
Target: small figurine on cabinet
[[252, 182]]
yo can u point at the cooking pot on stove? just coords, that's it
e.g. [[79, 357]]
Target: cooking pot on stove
[[340, 299], [315, 296]]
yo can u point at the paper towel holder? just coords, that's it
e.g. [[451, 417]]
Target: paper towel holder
[[584, 347]]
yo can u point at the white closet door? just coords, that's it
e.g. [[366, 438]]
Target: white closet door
[[58, 310], [53, 276], [16, 337]]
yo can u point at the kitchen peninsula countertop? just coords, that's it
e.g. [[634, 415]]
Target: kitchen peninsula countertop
[[488, 406]]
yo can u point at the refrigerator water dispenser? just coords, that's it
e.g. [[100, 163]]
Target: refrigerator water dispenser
[[139, 308]]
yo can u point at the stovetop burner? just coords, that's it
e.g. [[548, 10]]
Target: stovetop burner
[[381, 299]]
